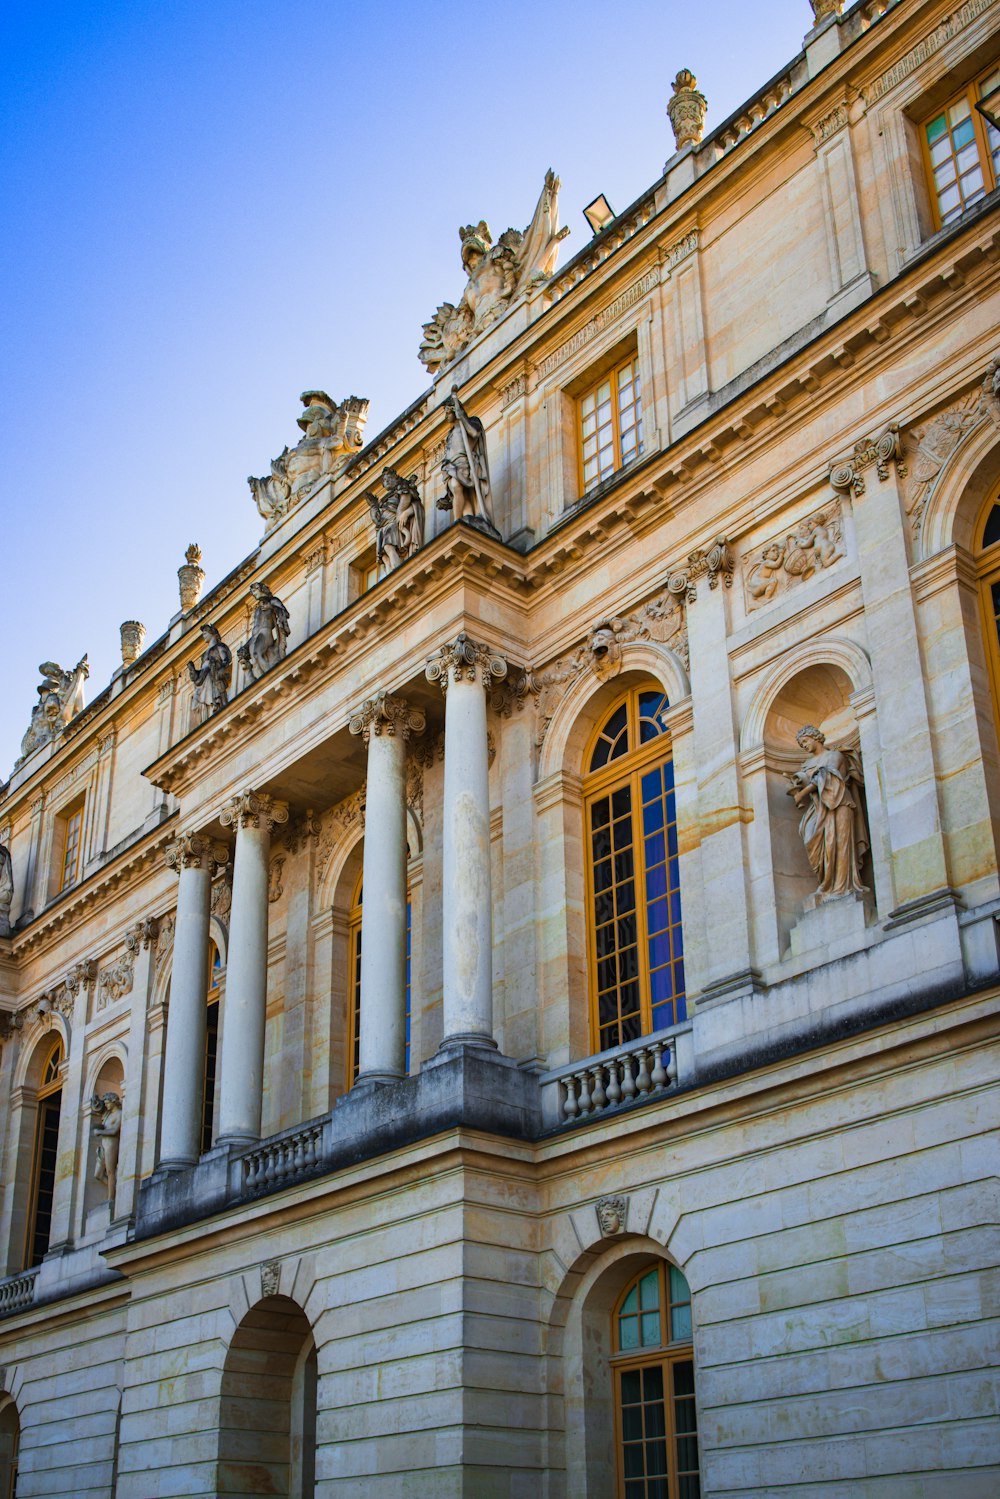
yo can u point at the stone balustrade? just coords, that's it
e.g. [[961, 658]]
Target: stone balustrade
[[641, 1069], [281, 1160], [623, 229], [17, 1292]]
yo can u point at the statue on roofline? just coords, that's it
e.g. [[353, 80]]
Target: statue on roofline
[[398, 519], [497, 273], [465, 470], [332, 433]]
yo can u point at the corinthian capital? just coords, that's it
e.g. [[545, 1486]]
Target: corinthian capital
[[468, 659], [385, 714], [195, 851], [253, 809]]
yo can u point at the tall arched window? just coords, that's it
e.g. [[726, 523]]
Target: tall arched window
[[211, 1048], [43, 1169], [656, 1426], [634, 936], [354, 934], [988, 567], [10, 1436]]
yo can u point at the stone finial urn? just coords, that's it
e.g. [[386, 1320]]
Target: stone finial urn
[[823, 8], [687, 110], [190, 577], [133, 634]]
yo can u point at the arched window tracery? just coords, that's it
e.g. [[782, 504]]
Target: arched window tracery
[[635, 941]]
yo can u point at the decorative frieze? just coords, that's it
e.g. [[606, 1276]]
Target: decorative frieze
[[877, 452], [253, 809], [465, 659], [600, 321], [829, 124], [815, 543], [924, 49], [673, 254]]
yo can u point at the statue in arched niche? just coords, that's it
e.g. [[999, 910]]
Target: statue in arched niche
[[827, 789], [108, 1134]]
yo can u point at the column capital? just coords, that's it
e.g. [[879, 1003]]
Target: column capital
[[465, 658], [386, 714], [253, 809], [193, 851]]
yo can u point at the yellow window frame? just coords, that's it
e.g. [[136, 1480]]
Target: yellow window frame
[[973, 94], [628, 769], [72, 837], [611, 376], [50, 1084], [666, 1355]]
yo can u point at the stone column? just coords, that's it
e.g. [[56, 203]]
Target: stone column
[[253, 814], [140, 942], [464, 669], [194, 857], [386, 723]]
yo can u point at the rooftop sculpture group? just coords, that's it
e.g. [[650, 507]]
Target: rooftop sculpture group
[[332, 434], [60, 698], [497, 274]]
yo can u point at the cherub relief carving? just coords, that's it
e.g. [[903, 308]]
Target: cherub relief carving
[[813, 544]]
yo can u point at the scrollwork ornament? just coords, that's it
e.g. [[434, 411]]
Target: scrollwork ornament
[[253, 809], [194, 851], [465, 659], [386, 714]]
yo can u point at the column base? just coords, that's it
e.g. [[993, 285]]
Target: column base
[[175, 1163], [451, 1044], [236, 1139], [371, 1079]]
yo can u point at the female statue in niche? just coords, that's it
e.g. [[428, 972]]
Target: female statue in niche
[[107, 1133], [211, 676], [827, 789]]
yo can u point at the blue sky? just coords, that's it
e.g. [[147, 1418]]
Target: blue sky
[[208, 207]]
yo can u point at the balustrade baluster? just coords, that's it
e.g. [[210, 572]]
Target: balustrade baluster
[[628, 1079], [642, 1081], [600, 1098], [614, 1087], [570, 1108], [584, 1099], [658, 1077]]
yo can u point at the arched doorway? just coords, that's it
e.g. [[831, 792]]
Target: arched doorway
[[267, 1418]]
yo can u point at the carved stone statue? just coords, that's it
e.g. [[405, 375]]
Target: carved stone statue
[[332, 434], [398, 519], [107, 1133], [269, 632], [6, 889], [60, 698], [827, 789], [497, 273], [465, 470], [211, 676]]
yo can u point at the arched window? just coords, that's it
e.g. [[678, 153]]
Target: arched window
[[267, 1415], [634, 936], [211, 1048], [43, 1170], [656, 1426], [354, 934], [988, 567]]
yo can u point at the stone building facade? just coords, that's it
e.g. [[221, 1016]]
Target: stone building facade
[[500, 998]]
